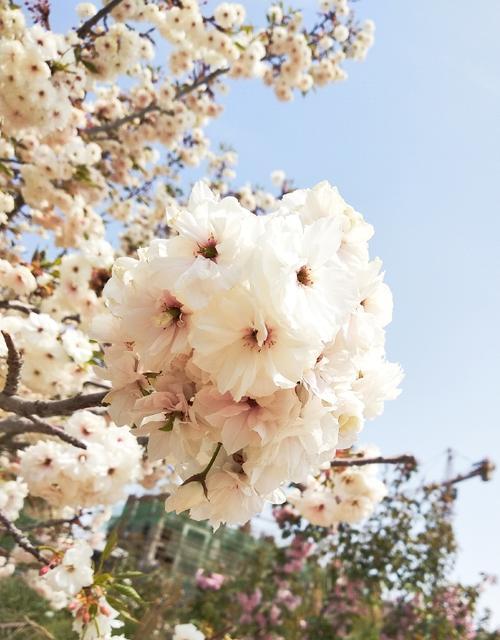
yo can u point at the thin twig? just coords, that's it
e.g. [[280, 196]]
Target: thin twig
[[21, 539], [75, 317], [86, 27], [116, 124], [51, 430], [14, 364], [408, 460], [55, 522], [14, 305], [483, 469], [45, 632], [17, 426], [99, 385], [12, 160], [45, 408]]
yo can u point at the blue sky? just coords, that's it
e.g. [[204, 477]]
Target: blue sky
[[412, 140]]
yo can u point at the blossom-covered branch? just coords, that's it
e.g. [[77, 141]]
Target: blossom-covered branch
[[15, 533], [46, 408], [87, 26], [55, 522], [15, 305], [138, 115], [16, 426]]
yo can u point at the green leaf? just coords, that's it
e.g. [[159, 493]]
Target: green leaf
[[103, 578], [121, 606], [56, 66], [82, 174], [90, 66], [125, 614], [130, 574], [127, 590], [6, 170], [169, 424], [170, 421], [110, 545]]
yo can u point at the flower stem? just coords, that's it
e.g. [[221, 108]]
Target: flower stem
[[201, 477]]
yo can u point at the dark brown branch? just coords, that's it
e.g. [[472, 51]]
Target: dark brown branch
[[14, 305], [17, 426], [99, 385], [21, 539], [51, 430], [45, 408], [483, 469], [74, 317], [184, 91], [14, 364], [12, 160], [116, 124], [86, 27], [407, 460]]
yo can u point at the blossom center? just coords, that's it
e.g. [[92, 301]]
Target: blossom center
[[304, 276], [258, 339], [168, 313], [208, 250]]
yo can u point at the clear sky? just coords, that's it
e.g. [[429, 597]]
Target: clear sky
[[412, 140]]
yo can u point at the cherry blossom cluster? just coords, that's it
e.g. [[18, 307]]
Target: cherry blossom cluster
[[74, 282], [76, 139], [95, 139], [12, 495], [340, 494], [268, 612], [25, 60], [65, 475], [16, 278], [249, 348], [56, 356], [68, 580]]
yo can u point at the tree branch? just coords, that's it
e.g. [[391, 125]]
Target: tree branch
[[14, 364], [21, 539], [116, 124], [54, 522], [14, 305], [17, 426], [45, 408], [12, 160], [408, 460], [45, 632], [86, 27], [483, 469]]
